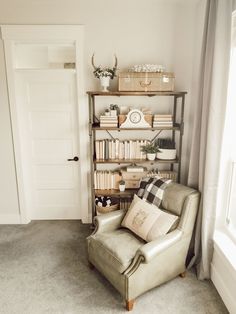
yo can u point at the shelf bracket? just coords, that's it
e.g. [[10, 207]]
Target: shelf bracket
[[153, 139]]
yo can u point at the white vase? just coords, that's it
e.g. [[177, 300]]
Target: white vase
[[122, 187], [105, 82], [167, 154], [151, 156]]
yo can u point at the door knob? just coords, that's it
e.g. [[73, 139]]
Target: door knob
[[73, 159]]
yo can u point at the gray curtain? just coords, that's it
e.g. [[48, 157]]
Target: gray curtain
[[208, 126]]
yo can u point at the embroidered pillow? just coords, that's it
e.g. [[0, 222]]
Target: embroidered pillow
[[146, 220]]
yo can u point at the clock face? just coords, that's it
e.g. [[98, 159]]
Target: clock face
[[135, 117]]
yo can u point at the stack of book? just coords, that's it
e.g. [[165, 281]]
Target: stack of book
[[106, 180], [116, 149], [167, 174], [135, 169], [108, 121], [163, 121], [125, 203]]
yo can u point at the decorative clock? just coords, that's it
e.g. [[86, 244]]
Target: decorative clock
[[135, 119]]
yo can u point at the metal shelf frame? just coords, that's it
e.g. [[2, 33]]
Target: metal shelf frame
[[94, 127]]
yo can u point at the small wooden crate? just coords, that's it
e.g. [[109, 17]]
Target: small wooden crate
[[146, 82], [148, 118], [132, 179], [133, 175]]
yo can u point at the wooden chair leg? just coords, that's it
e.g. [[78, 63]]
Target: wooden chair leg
[[183, 275], [90, 265], [129, 305]]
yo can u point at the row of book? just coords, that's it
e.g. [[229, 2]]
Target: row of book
[[162, 120], [106, 180], [108, 121], [117, 149]]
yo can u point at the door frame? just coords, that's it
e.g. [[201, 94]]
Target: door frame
[[11, 34]]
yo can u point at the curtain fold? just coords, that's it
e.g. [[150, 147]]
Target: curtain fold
[[208, 127]]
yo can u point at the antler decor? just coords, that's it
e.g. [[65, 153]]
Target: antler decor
[[104, 72]]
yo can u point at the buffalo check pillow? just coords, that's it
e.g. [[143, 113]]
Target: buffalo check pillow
[[146, 220], [152, 189]]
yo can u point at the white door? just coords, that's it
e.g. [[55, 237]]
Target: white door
[[47, 117]]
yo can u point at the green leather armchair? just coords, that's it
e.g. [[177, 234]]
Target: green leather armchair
[[134, 266]]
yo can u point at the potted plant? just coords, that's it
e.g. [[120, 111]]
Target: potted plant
[[107, 112], [104, 74], [122, 185], [166, 148], [151, 150], [114, 109]]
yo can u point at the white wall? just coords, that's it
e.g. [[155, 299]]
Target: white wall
[[151, 31], [9, 210]]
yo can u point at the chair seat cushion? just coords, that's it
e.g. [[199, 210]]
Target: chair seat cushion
[[115, 249]]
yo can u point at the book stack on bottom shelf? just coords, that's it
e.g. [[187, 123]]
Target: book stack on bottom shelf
[[106, 180]]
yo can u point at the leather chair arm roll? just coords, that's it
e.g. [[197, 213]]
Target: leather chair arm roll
[[151, 249], [109, 222]]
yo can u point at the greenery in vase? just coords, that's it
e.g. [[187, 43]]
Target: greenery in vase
[[165, 143], [104, 72], [99, 71], [122, 182], [150, 148]]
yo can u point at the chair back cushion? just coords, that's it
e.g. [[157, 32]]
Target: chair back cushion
[[174, 197]]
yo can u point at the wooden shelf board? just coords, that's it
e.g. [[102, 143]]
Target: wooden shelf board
[[117, 93], [175, 127], [130, 161], [127, 192]]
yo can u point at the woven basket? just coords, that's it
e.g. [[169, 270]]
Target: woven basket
[[103, 210]]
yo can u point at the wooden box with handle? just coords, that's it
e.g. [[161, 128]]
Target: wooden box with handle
[[146, 82]]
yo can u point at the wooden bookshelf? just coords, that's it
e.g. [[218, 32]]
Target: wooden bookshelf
[[98, 128], [117, 93], [177, 98], [127, 192], [136, 161]]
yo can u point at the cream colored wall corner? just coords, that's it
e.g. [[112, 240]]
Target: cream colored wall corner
[[137, 31], [9, 210]]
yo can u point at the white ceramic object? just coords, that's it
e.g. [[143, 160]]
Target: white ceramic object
[[151, 156], [105, 82], [167, 154], [122, 187], [113, 113]]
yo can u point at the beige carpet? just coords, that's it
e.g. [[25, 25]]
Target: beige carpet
[[43, 269]]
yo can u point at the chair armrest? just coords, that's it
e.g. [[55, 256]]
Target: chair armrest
[[150, 250], [108, 222]]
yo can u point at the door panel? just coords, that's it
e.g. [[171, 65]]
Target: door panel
[[50, 124], [47, 107]]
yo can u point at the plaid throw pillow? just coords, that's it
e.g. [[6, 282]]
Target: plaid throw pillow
[[152, 189]]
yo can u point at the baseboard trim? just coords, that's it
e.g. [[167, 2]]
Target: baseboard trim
[[224, 292], [10, 219], [223, 274]]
